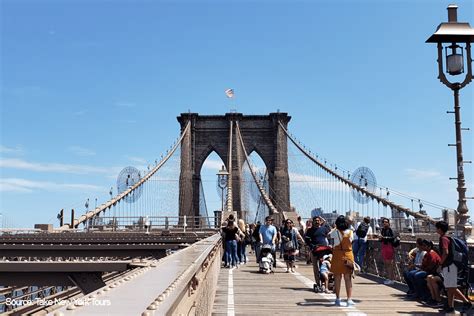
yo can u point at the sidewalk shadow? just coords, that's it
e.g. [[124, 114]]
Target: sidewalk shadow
[[304, 289]]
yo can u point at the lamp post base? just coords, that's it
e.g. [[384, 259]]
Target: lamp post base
[[465, 232]]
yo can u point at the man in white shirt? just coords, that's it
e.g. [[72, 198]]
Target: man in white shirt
[[301, 226], [359, 244]]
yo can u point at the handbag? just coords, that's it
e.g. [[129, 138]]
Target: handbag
[[348, 263], [289, 245]]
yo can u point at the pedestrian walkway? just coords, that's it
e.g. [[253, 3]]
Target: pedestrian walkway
[[244, 291]]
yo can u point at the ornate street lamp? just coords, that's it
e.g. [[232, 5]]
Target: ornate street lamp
[[455, 37], [222, 176]]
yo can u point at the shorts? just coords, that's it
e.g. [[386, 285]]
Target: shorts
[[387, 252], [450, 275], [288, 257]]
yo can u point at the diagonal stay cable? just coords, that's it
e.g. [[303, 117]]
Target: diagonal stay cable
[[122, 195], [354, 186], [258, 183]]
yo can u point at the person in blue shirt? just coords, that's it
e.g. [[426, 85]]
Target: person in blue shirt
[[268, 235], [315, 237]]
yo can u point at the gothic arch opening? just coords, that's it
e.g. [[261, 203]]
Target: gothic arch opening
[[253, 207], [261, 133], [210, 191]]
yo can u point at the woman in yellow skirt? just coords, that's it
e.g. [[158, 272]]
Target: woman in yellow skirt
[[342, 254]]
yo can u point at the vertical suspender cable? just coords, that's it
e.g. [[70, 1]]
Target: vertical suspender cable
[[229, 165]]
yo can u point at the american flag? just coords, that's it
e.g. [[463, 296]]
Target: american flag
[[229, 93]]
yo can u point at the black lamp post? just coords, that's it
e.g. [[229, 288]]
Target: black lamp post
[[222, 176], [455, 37]]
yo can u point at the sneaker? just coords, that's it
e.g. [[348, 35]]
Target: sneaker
[[287, 270], [292, 270], [350, 302], [337, 302], [438, 304], [447, 310], [430, 303]]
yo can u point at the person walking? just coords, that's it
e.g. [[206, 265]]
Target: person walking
[[301, 226], [241, 242], [342, 258], [316, 237], [289, 242], [387, 238], [257, 242], [307, 250], [449, 269], [230, 236], [268, 236], [359, 245]]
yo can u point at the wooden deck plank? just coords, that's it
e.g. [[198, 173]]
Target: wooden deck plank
[[291, 294]]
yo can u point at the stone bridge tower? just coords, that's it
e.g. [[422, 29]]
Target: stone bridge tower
[[260, 133]]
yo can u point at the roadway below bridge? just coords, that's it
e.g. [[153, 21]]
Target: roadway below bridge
[[96, 244]]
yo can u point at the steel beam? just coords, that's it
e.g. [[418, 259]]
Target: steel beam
[[86, 275], [93, 250]]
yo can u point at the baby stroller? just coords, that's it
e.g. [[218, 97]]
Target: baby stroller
[[326, 277], [319, 252], [266, 260]]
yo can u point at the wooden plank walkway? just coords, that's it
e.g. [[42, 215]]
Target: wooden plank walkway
[[244, 291]]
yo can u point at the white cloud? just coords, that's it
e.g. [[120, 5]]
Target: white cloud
[[26, 186], [11, 150], [54, 167], [419, 174], [81, 151], [211, 164], [137, 160]]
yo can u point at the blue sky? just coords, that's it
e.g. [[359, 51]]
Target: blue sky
[[89, 87]]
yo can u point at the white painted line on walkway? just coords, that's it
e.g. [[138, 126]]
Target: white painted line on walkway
[[230, 294], [350, 310]]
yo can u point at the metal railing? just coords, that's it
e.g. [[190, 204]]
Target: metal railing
[[151, 223]]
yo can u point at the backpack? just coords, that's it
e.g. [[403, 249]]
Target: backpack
[[459, 252], [247, 238], [362, 230]]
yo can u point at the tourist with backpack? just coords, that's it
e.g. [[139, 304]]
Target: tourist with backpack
[[449, 252], [359, 244]]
